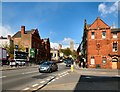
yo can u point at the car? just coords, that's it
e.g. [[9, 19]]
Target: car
[[48, 66], [68, 62]]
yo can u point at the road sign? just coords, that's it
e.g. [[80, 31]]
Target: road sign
[[16, 46]]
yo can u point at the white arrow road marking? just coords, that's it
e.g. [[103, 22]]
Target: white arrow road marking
[[35, 85]]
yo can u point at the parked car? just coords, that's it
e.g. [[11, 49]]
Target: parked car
[[48, 66]]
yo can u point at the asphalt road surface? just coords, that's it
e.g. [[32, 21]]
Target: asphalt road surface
[[23, 79]]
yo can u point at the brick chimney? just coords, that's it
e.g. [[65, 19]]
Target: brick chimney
[[22, 30], [9, 36]]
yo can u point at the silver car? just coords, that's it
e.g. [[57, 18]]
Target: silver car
[[48, 66]]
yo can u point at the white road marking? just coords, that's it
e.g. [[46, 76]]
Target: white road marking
[[40, 86], [49, 82], [57, 78], [67, 73], [35, 85], [29, 72], [52, 77], [42, 81], [3, 76], [26, 88], [53, 80], [48, 79]]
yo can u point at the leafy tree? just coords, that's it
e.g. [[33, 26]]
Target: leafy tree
[[20, 46], [10, 50], [66, 52]]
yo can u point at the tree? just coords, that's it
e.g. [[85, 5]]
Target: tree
[[10, 50], [66, 52], [20, 46]]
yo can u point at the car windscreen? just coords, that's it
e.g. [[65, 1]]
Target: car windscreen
[[46, 63]]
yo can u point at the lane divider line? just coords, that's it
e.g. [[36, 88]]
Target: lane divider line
[[42, 81], [26, 88], [3, 76], [35, 85], [29, 72]]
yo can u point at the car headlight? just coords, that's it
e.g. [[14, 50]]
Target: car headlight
[[47, 67]]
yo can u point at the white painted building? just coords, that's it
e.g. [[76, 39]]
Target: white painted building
[[54, 54], [6, 41]]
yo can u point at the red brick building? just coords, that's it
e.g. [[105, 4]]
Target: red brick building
[[101, 45], [27, 39]]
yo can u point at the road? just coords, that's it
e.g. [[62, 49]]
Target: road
[[85, 80], [27, 78]]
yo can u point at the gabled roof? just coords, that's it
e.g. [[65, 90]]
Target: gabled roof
[[18, 34], [98, 23]]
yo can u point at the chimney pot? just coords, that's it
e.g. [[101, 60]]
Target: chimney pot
[[9, 36]]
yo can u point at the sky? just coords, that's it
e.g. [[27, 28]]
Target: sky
[[59, 21]]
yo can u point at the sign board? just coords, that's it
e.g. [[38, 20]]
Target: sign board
[[32, 52], [16, 46]]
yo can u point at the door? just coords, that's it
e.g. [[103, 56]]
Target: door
[[114, 65]]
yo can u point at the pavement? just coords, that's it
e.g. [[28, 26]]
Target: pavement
[[85, 80], [7, 67]]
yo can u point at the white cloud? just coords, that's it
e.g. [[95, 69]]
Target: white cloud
[[105, 9], [5, 31], [65, 44], [67, 40], [54, 45]]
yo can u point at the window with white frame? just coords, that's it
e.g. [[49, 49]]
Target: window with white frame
[[114, 47], [92, 61], [92, 35], [114, 35], [104, 34]]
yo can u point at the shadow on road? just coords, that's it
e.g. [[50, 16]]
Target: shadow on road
[[42, 76], [98, 83]]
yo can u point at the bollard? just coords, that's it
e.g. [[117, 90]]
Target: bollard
[[72, 68]]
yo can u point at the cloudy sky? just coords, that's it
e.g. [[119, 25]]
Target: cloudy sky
[[60, 21]]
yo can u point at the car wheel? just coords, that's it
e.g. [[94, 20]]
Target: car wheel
[[50, 71]]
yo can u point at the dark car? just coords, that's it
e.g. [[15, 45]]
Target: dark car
[[68, 62], [48, 66]]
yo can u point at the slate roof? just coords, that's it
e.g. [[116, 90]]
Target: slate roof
[[115, 30], [18, 34]]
